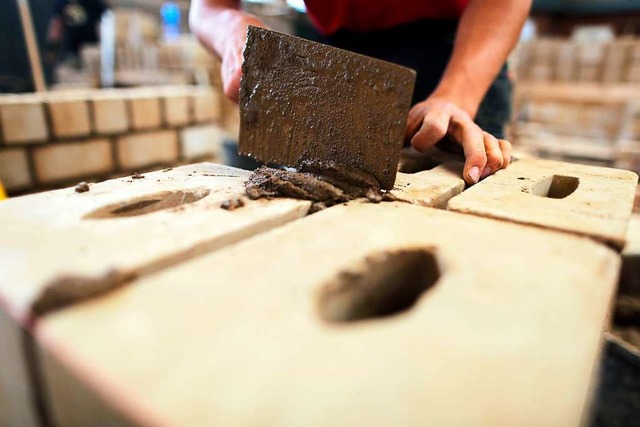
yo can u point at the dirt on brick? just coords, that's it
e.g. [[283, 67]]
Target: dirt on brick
[[324, 183]]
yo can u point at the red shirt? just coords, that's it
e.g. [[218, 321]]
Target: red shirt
[[329, 16]]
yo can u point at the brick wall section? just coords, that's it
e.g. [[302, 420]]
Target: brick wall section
[[58, 138]]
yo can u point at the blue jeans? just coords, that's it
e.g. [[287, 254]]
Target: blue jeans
[[426, 47]]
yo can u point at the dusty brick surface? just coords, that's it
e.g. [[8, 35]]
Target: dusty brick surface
[[598, 203], [485, 307]]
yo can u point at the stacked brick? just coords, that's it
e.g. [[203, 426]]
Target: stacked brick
[[59, 137], [585, 122], [565, 60]]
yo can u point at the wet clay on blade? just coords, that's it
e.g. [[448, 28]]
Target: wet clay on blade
[[324, 183]]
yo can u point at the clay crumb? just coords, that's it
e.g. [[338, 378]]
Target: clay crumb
[[82, 187], [136, 175], [232, 204], [167, 170]]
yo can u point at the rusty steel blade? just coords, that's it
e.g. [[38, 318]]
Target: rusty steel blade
[[301, 100]]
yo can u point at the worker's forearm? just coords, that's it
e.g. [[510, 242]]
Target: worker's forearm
[[211, 20], [487, 32]]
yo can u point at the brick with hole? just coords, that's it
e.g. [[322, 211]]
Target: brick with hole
[[14, 169], [23, 119], [86, 244], [60, 162], [109, 111], [69, 116], [146, 112], [370, 313], [586, 200], [139, 150]]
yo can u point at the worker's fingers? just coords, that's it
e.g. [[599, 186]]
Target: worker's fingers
[[435, 125], [505, 147], [414, 120], [494, 155], [467, 133]]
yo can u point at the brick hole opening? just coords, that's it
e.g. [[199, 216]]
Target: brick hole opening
[[556, 187], [150, 203], [383, 285]]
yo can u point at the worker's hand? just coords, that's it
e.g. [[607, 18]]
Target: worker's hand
[[431, 120], [224, 31]]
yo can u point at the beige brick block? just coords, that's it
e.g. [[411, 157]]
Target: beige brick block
[[84, 244], [65, 161], [122, 227], [69, 117], [177, 109], [14, 169], [357, 312], [145, 149], [110, 114], [586, 200], [145, 112], [203, 141], [23, 120], [206, 106]]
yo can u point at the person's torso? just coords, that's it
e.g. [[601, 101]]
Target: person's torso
[[329, 16]]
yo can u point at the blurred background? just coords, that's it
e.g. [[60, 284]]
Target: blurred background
[[576, 74]]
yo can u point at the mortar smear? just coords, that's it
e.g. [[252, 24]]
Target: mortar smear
[[324, 183]]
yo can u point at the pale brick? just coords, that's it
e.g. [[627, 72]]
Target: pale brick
[[69, 117], [14, 169], [23, 120], [203, 141], [68, 234], [177, 109], [586, 200], [145, 112], [145, 149], [48, 239], [65, 161], [110, 114], [206, 106], [506, 329]]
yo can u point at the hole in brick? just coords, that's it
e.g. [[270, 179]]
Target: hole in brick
[[149, 203], [555, 187], [385, 284]]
